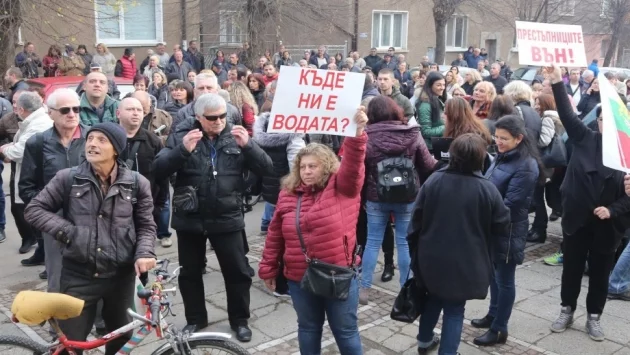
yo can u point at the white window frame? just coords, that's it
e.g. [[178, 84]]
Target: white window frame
[[464, 40], [223, 15], [565, 8], [403, 36], [121, 42]]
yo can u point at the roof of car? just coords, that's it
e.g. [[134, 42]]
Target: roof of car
[[71, 80]]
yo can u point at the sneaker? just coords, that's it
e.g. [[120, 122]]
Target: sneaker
[[282, 295], [3, 236], [364, 296], [32, 261], [434, 343], [263, 233], [555, 260], [564, 320], [624, 296], [166, 242], [27, 244], [594, 328], [43, 275]]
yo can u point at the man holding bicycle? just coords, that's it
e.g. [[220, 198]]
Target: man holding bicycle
[[106, 231]]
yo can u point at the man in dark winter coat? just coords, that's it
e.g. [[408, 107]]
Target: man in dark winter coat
[[209, 157], [199, 63], [595, 216], [373, 59], [107, 236]]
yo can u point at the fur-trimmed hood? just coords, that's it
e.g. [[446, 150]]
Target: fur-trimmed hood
[[265, 139]]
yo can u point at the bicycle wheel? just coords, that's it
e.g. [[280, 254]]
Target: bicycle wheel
[[15, 345], [212, 347]]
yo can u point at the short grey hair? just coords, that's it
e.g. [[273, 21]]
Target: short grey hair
[[205, 76], [155, 56], [30, 101], [349, 61], [52, 99], [518, 91], [212, 102], [587, 73], [225, 95]]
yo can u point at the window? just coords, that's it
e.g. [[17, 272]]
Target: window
[[123, 23], [389, 29], [231, 33], [456, 32], [565, 7]]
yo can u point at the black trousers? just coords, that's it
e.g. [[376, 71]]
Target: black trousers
[[388, 240], [25, 229], [116, 293], [578, 249], [230, 252], [541, 219]]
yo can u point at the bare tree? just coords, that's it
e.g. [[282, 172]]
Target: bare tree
[[443, 10], [616, 13]]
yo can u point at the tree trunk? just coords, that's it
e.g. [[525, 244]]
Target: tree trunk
[[9, 26], [440, 39], [612, 48]]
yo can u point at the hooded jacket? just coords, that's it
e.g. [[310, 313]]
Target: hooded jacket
[[282, 148], [515, 177], [392, 139]]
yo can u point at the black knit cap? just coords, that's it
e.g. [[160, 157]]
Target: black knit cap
[[114, 132]]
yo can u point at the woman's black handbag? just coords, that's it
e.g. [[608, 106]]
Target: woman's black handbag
[[555, 154], [409, 303], [185, 199], [324, 279]]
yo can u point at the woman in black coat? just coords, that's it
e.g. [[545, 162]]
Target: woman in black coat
[[456, 214], [594, 217], [514, 172]]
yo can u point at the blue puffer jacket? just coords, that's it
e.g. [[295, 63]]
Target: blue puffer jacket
[[515, 177]]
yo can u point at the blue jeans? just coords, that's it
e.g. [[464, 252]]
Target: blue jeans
[[3, 218], [620, 277], [502, 295], [342, 318], [163, 221], [378, 214], [452, 324], [267, 216]]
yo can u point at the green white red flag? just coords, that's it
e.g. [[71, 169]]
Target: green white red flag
[[616, 128]]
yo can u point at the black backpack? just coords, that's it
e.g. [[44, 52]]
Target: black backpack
[[397, 178]]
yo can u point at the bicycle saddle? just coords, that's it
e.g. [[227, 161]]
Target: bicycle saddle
[[35, 307]]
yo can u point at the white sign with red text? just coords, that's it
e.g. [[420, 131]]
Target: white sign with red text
[[316, 101], [544, 43]]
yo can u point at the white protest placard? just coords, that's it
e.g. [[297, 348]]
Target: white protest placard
[[316, 101], [544, 43]]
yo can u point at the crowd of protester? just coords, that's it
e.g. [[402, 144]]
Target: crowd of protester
[[474, 152]]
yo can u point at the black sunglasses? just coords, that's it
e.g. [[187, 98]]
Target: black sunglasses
[[214, 118], [66, 110]]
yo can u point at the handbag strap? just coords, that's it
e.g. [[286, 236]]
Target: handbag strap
[[298, 229]]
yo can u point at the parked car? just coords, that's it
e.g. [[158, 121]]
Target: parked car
[[49, 85], [623, 73], [527, 74]]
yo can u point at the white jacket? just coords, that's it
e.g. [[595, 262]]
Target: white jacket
[[36, 122], [548, 129]]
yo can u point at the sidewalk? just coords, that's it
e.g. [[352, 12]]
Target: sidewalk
[[273, 320]]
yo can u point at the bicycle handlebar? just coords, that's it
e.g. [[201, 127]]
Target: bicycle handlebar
[[155, 313]]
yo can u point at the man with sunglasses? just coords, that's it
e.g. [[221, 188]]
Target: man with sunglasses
[[61, 147], [209, 156], [33, 119]]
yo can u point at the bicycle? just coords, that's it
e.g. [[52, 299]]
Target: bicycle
[[154, 299]]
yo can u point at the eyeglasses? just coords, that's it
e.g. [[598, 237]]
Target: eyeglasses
[[66, 110], [600, 119], [214, 118]]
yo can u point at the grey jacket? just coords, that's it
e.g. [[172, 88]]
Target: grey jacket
[[102, 235], [181, 70]]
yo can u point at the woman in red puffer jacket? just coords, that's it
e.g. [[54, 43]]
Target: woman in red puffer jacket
[[328, 217]]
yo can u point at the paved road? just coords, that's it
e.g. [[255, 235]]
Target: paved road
[[274, 322]]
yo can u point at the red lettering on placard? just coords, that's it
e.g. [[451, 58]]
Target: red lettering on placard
[[293, 122], [332, 102], [278, 122]]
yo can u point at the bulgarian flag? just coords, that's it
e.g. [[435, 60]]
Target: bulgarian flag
[[616, 128]]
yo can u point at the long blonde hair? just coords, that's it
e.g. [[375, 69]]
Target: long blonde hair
[[240, 94], [322, 153]]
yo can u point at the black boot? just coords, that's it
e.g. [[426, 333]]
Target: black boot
[[555, 215], [388, 273], [537, 236], [27, 244], [482, 323], [491, 338]]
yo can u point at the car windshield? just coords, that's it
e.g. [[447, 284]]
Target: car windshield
[[527, 74]]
